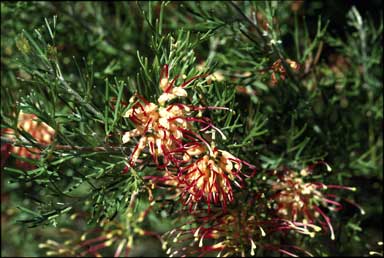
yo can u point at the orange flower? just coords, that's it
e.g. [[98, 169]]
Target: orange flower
[[40, 131]]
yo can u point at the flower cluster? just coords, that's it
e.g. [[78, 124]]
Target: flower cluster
[[239, 232], [111, 235], [176, 137], [278, 70], [172, 134], [210, 178], [293, 206], [40, 131], [301, 202], [160, 129]]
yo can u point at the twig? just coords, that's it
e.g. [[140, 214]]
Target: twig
[[249, 21], [79, 98], [274, 48], [78, 20], [64, 147], [132, 200]]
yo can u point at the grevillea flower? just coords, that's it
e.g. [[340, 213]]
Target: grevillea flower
[[40, 131], [192, 164], [206, 176], [234, 233], [165, 128], [300, 203], [117, 237], [210, 177], [161, 127]]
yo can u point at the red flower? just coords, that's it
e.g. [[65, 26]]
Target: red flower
[[210, 177], [234, 233], [300, 203], [192, 164]]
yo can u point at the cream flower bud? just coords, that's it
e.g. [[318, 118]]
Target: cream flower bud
[[164, 122], [163, 112], [163, 83], [128, 113], [165, 97], [151, 107], [126, 137], [195, 151], [180, 92]]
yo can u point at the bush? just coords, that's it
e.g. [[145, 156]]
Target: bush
[[191, 128]]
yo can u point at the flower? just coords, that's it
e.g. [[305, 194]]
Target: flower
[[210, 177], [203, 176], [90, 243], [169, 91], [118, 236], [162, 126], [160, 129], [299, 202], [40, 131], [193, 166], [238, 232]]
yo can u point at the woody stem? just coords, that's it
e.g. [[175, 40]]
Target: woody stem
[[63, 147]]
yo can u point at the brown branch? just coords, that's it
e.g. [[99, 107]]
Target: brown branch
[[63, 147]]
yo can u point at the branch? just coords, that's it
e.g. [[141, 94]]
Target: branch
[[259, 32], [78, 97], [76, 19], [63, 147]]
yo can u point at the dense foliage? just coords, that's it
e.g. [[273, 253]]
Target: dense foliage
[[196, 128]]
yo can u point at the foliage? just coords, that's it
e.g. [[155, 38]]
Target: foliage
[[276, 95]]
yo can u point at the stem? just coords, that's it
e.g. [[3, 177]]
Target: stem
[[359, 24], [77, 96], [133, 200], [274, 47], [64, 147], [248, 20]]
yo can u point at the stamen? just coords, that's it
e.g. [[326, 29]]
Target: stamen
[[327, 220], [342, 187], [201, 240], [253, 247], [196, 233], [262, 231]]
